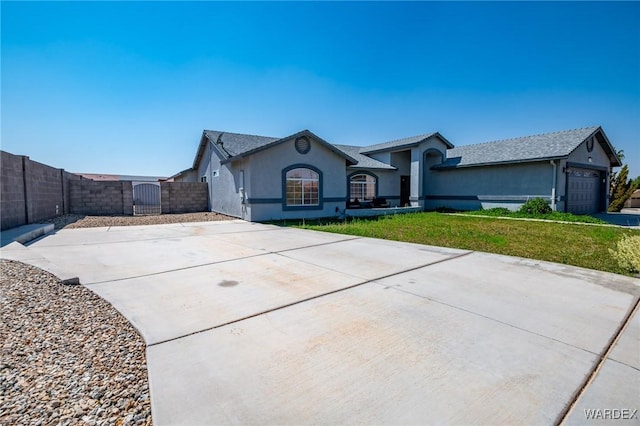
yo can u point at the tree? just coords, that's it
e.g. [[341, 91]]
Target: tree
[[621, 189]]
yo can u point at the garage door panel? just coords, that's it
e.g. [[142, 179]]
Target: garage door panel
[[584, 191]]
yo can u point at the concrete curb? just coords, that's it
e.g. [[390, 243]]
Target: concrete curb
[[24, 234], [12, 241], [18, 252]]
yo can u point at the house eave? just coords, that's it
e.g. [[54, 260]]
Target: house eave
[[204, 140], [200, 151], [286, 138], [181, 173], [357, 167], [497, 163], [408, 145], [614, 160], [392, 149], [601, 137]]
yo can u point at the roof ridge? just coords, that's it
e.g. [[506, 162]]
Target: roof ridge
[[407, 137], [242, 134], [528, 136]]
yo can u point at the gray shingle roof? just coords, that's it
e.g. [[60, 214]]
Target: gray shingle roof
[[402, 143], [232, 145], [235, 143], [528, 148], [363, 160]]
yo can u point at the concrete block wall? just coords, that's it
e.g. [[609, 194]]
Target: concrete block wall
[[31, 191], [12, 195], [44, 191], [101, 198], [184, 197], [127, 198], [67, 190]]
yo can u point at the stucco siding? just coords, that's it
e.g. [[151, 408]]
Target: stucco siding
[[190, 176], [265, 192], [598, 156], [225, 188], [222, 180], [401, 161], [252, 185], [267, 212], [204, 170], [384, 157], [418, 167], [389, 186], [488, 186]]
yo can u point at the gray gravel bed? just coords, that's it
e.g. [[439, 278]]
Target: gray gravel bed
[[68, 357], [80, 221]]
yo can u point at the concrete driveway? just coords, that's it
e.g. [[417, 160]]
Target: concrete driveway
[[255, 324], [627, 217]]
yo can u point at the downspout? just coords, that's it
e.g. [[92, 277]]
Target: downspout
[[555, 182], [211, 177], [210, 183]]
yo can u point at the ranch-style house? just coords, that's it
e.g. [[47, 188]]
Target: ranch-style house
[[259, 178]]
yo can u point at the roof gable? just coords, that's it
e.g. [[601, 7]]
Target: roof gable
[[363, 161], [228, 144], [233, 146], [525, 149], [403, 143]]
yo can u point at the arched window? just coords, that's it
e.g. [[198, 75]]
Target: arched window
[[302, 187], [362, 187]]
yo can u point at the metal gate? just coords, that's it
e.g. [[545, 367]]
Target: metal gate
[[146, 198]]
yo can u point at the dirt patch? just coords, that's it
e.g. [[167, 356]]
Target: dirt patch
[[80, 221]]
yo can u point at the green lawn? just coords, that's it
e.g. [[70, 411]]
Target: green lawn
[[572, 244]]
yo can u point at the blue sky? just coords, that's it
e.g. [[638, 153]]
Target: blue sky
[[128, 87]]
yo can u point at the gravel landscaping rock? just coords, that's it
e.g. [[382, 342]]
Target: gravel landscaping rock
[[68, 357], [80, 221]]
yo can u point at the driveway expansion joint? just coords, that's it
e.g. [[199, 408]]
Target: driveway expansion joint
[[440, 302], [257, 314], [367, 328], [602, 357], [266, 253], [151, 274]]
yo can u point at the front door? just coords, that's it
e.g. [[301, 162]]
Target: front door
[[405, 190]]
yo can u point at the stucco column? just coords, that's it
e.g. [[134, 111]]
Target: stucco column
[[416, 178]]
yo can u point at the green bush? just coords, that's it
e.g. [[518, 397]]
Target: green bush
[[627, 253], [443, 209], [496, 211], [535, 206]]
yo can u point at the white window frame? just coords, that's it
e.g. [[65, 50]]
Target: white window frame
[[307, 185], [365, 190]]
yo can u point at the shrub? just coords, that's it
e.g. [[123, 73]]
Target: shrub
[[497, 211], [443, 209], [535, 206], [627, 253], [621, 189]]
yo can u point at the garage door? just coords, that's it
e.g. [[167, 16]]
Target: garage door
[[584, 191]]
